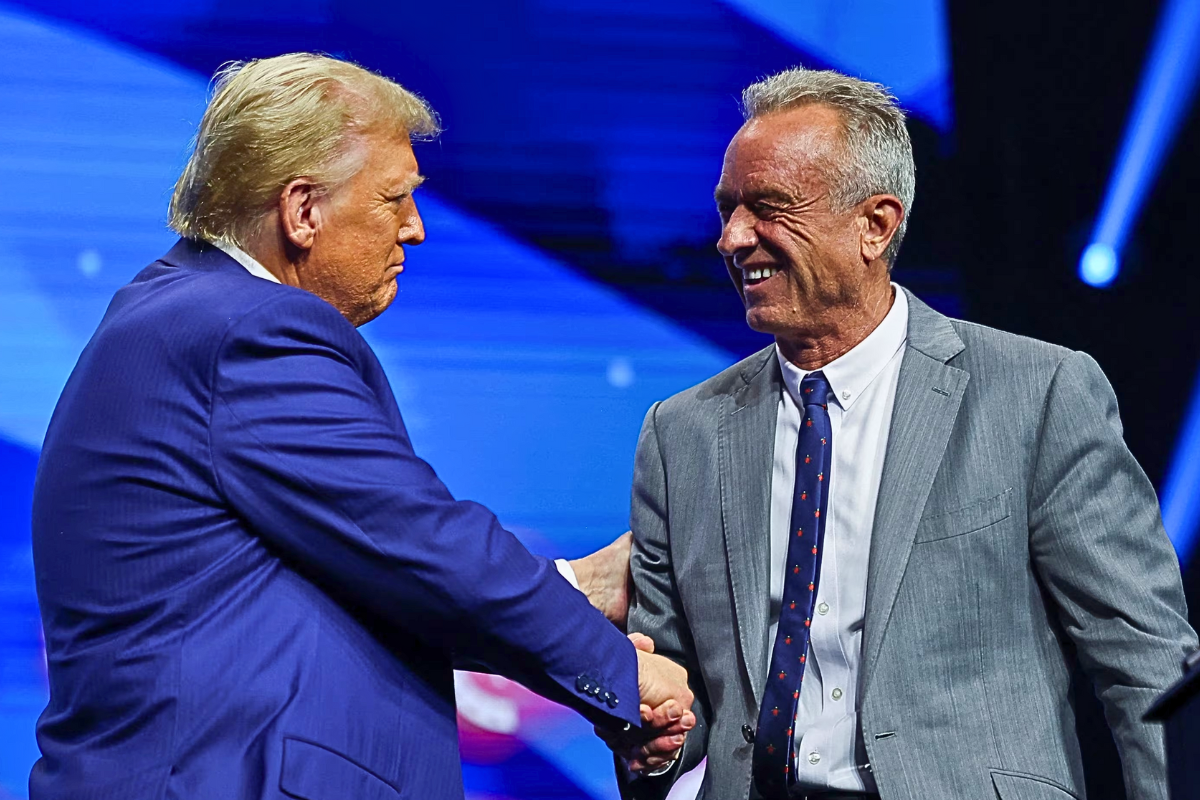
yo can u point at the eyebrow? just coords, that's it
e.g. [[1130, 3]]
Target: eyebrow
[[722, 194], [411, 186]]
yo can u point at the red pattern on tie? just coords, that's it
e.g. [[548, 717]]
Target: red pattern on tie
[[774, 742]]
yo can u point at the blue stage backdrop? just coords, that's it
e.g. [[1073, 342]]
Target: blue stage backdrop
[[523, 377]]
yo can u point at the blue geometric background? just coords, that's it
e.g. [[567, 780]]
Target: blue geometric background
[[523, 377]]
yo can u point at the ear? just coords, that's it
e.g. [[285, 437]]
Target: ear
[[882, 215], [299, 212]]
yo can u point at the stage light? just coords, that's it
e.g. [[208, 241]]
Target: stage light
[[1167, 84], [1166, 89], [1180, 498], [1099, 265]]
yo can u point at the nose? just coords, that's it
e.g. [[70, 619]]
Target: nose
[[413, 229], [738, 233]]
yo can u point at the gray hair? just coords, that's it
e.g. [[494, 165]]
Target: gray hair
[[277, 119], [877, 154]]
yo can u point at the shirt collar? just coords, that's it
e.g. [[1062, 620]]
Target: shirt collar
[[851, 373], [246, 260]]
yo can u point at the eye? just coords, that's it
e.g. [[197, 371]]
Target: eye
[[725, 210]]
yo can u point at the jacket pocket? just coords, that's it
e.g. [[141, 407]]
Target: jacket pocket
[[1021, 786], [313, 772], [974, 517]]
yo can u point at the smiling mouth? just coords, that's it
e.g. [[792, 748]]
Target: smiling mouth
[[750, 277]]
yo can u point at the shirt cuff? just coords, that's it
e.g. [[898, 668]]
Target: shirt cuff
[[567, 571]]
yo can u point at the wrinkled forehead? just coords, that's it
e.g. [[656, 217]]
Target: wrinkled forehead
[[793, 141], [389, 153]]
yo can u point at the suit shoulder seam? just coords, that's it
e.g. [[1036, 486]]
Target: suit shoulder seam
[[212, 378], [1043, 414]]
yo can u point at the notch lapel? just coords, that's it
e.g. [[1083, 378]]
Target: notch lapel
[[928, 396], [746, 443]]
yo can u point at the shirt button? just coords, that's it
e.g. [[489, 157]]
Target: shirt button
[[845, 395], [814, 758], [836, 694], [823, 608]]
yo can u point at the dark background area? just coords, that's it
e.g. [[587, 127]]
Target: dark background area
[[1042, 93]]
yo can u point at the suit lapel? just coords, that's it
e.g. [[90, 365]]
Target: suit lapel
[[746, 441], [928, 396]]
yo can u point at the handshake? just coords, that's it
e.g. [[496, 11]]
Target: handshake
[[666, 700], [666, 709]]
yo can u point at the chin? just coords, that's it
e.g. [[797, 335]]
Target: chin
[[385, 298], [763, 320], [368, 311]]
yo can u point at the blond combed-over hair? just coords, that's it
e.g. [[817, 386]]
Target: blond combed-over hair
[[877, 155], [273, 120]]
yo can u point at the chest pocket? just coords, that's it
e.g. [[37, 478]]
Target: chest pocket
[[970, 519]]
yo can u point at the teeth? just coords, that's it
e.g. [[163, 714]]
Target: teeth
[[760, 274]]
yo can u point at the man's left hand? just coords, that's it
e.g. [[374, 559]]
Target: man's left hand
[[605, 578]]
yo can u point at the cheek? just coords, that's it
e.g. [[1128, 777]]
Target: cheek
[[389, 238], [790, 237], [821, 246]]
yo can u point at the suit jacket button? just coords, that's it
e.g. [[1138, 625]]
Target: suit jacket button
[[582, 684], [748, 734], [611, 700]]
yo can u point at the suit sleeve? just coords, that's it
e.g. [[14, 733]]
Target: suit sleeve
[[310, 456], [1099, 547], [656, 610]]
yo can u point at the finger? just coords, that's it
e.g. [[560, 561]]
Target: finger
[[655, 759], [664, 715], [663, 746], [670, 730], [673, 730], [642, 642]]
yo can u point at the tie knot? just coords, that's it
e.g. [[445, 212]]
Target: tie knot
[[814, 389]]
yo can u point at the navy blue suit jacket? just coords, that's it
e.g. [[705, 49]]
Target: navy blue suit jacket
[[251, 587]]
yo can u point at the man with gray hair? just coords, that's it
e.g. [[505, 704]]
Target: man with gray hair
[[250, 585], [880, 545]]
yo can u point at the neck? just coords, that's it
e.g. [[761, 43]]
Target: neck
[[840, 331], [268, 251]]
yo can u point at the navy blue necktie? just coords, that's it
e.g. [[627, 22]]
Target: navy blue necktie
[[774, 741]]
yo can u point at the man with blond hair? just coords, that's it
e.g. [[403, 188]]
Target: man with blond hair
[[880, 545], [250, 585]]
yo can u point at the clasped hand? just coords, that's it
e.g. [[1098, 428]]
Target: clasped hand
[[666, 703]]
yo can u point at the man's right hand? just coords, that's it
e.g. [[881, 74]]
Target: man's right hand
[[665, 710], [661, 680]]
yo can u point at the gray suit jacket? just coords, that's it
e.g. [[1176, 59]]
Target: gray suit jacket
[[1012, 522]]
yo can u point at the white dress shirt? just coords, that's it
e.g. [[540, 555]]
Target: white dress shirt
[[246, 260], [829, 752]]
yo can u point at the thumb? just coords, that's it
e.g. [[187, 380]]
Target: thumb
[[642, 642]]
